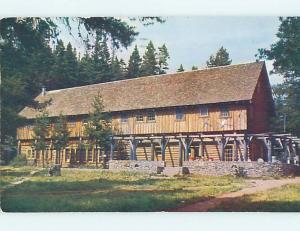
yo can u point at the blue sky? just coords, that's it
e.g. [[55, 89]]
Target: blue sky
[[191, 40]]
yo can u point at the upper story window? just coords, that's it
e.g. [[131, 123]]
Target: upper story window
[[224, 111], [179, 114], [124, 118], [203, 111], [151, 116], [139, 116]]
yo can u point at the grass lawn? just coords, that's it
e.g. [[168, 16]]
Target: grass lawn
[[283, 199], [96, 190]]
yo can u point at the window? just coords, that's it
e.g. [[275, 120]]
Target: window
[[90, 155], [139, 116], [151, 116], [179, 114], [228, 152], [67, 154], [203, 111], [224, 111], [124, 118]]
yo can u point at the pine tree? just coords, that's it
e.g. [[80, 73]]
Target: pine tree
[[285, 53], [101, 60], [134, 64], [60, 136], [163, 57], [149, 64], [220, 59], [194, 68], [71, 66], [40, 134], [98, 130], [118, 69], [180, 69]]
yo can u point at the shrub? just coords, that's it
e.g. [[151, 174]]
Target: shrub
[[7, 153], [19, 160]]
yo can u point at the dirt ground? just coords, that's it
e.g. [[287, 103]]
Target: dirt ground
[[255, 186]]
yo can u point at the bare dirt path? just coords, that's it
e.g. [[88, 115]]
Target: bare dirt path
[[255, 186]]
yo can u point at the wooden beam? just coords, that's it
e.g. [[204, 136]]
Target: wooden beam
[[112, 149], [152, 151], [180, 152], [133, 145]]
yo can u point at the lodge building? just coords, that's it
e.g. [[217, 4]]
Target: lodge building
[[212, 114]]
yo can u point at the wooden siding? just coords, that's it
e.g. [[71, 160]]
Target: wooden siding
[[165, 122]]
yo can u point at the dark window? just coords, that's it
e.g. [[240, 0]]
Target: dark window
[[224, 111], [179, 114], [67, 154], [151, 116], [124, 118], [90, 155], [228, 152], [139, 116], [203, 111]]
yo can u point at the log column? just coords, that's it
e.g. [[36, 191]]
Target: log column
[[180, 152], [152, 151], [112, 149], [133, 145]]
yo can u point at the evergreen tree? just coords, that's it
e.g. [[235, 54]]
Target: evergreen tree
[[60, 137], [134, 64], [101, 60], [98, 130], [71, 66], [149, 64], [220, 59], [194, 68], [86, 70], [180, 69], [40, 134], [118, 69], [285, 53], [163, 57]]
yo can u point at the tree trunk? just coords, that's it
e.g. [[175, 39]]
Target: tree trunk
[[43, 158]]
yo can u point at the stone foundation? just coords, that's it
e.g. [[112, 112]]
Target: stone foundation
[[137, 166], [249, 169]]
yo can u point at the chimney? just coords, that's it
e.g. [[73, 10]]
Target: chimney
[[43, 91]]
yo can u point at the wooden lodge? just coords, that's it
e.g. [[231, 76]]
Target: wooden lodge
[[211, 114]]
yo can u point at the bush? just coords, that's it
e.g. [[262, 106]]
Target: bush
[[7, 153], [19, 160]]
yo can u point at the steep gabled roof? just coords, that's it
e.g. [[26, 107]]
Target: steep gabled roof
[[211, 85]]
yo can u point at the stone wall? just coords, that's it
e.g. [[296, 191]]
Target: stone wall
[[136, 165], [250, 169]]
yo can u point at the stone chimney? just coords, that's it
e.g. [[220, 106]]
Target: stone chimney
[[43, 91]]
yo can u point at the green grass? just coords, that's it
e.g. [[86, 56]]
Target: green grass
[[283, 199], [90, 190]]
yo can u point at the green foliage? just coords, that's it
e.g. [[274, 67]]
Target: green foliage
[[163, 57], [118, 69], [60, 135], [220, 59], [98, 129], [194, 68], [149, 65], [18, 160], [134, 64], [286, 56], [7, 153], [180, 69]]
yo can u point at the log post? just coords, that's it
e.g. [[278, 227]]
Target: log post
[[163, 149], [180, 152], [152, 151], [112, 148], [236, 153], [245, 149], [19, 147], [133, 144], [222, 148]]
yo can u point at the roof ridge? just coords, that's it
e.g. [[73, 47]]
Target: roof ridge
[[149, 76]]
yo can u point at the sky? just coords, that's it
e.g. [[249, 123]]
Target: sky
[[191, 40]]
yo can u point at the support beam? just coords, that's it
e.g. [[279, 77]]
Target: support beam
[[163, 144], [236, 153], [186, 143], [268, 141], [152, 151], [112, 149], [133, 144], [180, 152]]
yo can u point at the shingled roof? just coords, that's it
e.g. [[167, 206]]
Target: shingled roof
[[211, 85]]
